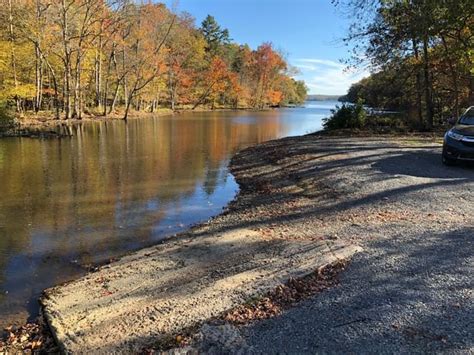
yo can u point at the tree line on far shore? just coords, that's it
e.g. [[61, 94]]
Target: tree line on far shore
[[76, 57], [421, 53]]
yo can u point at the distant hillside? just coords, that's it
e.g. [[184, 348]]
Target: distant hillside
[[322, 97]]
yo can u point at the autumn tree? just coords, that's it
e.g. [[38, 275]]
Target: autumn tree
[[426, 43], [184, 59], [101, 57], [149, 27], [216, 80], [293, 92], [15, 54], [267, 67]]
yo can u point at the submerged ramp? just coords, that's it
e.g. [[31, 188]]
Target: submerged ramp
[[159, 291]]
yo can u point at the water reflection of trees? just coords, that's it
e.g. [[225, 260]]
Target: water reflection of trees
[[103, 191]]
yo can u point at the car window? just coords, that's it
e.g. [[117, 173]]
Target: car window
[[468, 117]]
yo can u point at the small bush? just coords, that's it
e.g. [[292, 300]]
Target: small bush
[[6, 116], [5, 112], [346, 116]]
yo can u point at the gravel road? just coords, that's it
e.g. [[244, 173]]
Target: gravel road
[[411, 290]]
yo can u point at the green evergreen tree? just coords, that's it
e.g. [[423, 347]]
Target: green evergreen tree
[[215, 36]]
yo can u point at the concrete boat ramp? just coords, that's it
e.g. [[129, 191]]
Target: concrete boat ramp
[[163, 290]]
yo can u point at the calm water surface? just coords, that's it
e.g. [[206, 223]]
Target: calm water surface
[[114, 187]]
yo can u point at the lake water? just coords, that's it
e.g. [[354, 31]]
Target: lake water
[[67, 204]]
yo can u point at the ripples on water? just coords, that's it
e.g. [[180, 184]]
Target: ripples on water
[[118, 186]]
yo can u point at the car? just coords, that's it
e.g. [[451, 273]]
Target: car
[[458, 144]]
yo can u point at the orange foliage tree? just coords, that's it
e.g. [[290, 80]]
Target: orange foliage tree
[[99, 57]]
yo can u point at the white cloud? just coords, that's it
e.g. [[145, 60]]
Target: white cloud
[[324, 76], [306, 67], [325, 62]]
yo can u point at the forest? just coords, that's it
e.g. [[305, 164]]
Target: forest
[[421, 55], [71, 58]]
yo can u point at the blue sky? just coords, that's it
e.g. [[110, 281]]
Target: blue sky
[[309, 31]]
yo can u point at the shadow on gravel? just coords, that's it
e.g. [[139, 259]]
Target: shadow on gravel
[[425, 164], [417, 162], [412, 296], [320, 151], [339, 206], [412, 293]]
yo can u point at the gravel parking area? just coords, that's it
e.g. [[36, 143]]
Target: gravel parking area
[[411, 290]]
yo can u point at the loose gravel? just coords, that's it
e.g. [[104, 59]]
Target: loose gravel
[[411, 290]]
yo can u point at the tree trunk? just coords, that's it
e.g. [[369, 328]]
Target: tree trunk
[[114, 101], [67, 92], [98, 75], [38, 62], [127, 108], [124, 82], [428, 91], [454, 77], [77, 87], [125, 91], [419, 95], [172, 90], [106, 94], [203, 96], [38, 78], [158, 94], [129, 100], [13, 54], [67, 60], [55, 84]]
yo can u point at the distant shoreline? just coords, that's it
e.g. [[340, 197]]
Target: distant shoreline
[[44, 125], [323, 97]]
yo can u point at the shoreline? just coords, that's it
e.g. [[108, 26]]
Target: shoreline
[[293, 194], [227, 259], [43, 126]]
